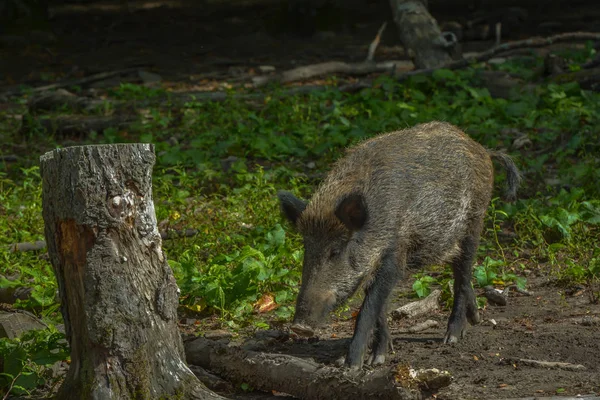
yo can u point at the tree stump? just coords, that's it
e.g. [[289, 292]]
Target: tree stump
[[420, 34], [118, 294]]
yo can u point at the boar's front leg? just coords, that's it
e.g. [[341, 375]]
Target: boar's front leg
[[372, 315]]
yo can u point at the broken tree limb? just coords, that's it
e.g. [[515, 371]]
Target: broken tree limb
[[589, 79], [72, 82], [416, 308], [544, 364], [423, 326], [301, 378], [80, 125], [118, 294], [375, 43], [326, 68], [419, 33], [27, 246], [63, 98], [520, 44], [40, 244]]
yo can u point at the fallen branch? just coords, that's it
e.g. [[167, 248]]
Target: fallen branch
[[40, 244], [587, 78], [9, 158], [375, 43], [544, 364], [486, 55], [517, 289], [416, 308], [27, 246], [81, 125], [301, 378], [423, 326], [72, 82], [62, 98], [331, 67]]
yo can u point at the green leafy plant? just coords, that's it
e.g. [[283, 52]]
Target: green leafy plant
[[27, 359]]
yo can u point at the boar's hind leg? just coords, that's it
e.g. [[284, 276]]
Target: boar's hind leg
[[465, 305], [372, 315]]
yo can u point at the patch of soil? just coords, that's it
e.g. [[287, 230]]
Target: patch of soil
[[545, 327]]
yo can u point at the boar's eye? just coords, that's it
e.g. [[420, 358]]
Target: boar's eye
[[333, 253]]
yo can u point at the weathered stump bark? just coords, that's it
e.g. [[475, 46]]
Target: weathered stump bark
[[419, 32], [118, 294]]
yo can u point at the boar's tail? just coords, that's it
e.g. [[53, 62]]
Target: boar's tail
[[513, 177]]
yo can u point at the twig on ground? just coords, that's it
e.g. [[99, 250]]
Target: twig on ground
[[423, 326], [517, 289], [73, 82], [9, 158], [326, 68], [544, 364], [417, 308], [375, 43]]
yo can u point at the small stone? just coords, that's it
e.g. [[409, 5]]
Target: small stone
[[265, 69], [521, 141], [173, 141], [149, 77], [497, 60]]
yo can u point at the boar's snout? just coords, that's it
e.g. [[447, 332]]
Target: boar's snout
[[312, 311]]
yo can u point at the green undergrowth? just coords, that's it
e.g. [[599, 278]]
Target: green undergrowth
[[219, 166]]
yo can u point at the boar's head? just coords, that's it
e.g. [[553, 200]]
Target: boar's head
[[332, 268]]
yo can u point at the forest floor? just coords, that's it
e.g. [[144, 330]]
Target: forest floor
[[213, 46], [547, 326]]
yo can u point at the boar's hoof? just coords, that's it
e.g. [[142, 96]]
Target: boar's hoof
[[302, 330], [473, 317], [449, 339], [452, 336], [376, 359]]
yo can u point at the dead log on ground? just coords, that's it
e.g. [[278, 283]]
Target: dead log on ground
[[327, 68], [80, 125], [419, 33], [72, 82], [301, 378], [588, 79], [118, 294], [510, 46], [62, 98]]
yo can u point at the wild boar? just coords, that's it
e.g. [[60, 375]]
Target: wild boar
[[401, 200]]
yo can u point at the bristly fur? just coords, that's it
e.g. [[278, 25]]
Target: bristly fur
[[404, 199]]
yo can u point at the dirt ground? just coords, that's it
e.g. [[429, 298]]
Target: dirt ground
[[548, 326]]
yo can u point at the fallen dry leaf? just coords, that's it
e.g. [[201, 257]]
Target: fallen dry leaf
[[265, 304]]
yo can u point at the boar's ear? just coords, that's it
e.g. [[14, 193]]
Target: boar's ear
[[352, 211], [291, 206]]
